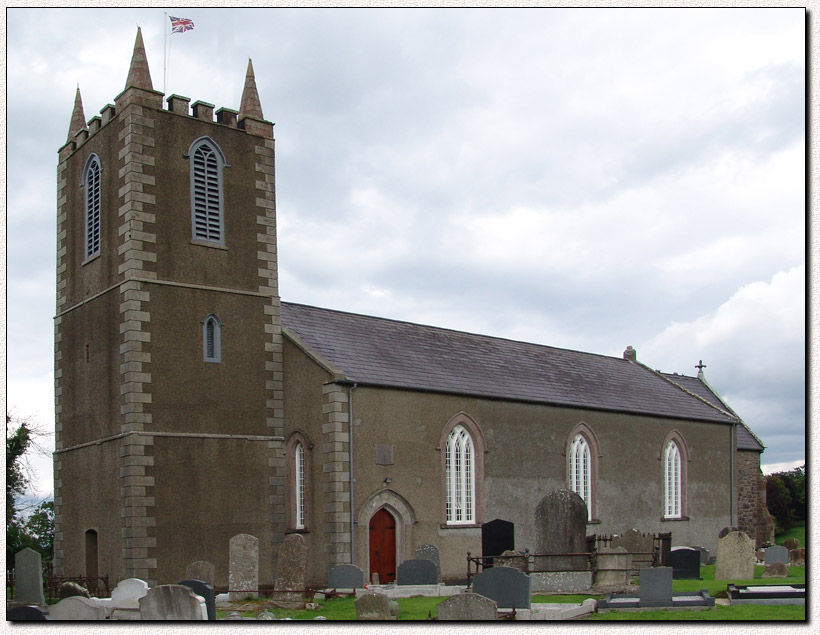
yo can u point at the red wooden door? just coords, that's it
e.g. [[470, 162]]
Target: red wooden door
[[383, 546]]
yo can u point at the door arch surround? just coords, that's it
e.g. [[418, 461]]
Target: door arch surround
[[401, 511]]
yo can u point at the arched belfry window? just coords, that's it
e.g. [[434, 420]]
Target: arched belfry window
[[462, 446], [207, 214], [212, 339], [92, 175], [582, 466], [674, 458]]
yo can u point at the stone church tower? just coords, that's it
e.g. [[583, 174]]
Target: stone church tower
[[168, 344]]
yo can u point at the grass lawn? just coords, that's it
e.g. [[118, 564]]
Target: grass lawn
[[418, 608], [798, 531]]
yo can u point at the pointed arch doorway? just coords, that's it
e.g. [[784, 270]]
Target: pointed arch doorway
[[382, 539]]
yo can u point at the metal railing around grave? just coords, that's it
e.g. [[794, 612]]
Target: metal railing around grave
[[661, 544], [532, 562], [97, 586]]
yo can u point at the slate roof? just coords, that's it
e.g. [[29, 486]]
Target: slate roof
[[382, 352], [746, 439]]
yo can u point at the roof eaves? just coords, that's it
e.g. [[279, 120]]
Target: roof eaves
[[316, 356]]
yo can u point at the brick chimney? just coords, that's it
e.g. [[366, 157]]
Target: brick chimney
[[631, 354]]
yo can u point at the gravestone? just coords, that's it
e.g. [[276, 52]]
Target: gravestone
[[685, 563], [512, 559], [497, 536], [507, 587], [25, 614], [656, 586], [373, 606], [127, 593], [467, 607], [613, 566], [775, 570], [345, 576], [201, 570], [265, 616], [172, 602], [776, 553], [243, 567], [429, 552], [560, 527], [417, 572], [705, 554], [289, 588], [735, 557], [797, 557], [726, 530], [76, 608], [28, 577], [791, 543], [206, 592]]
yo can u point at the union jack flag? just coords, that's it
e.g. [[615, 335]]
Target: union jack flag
[[180, 25]]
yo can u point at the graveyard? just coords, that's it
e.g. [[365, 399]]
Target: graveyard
[[737, 583]]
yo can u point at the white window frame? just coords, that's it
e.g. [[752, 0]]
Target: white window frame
[[460, 463], [92, 182], [672, 481], [299, 485], [580, 470], [212, 339], [207, 194]]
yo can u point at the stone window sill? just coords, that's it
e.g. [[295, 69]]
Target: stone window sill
[[447, 526], [91, 258], [205, 243], [674, 520]]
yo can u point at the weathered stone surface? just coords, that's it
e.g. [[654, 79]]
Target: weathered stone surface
[[735, 557], [797, 557], [414, 572], [613, 565], [634, 542], [243, 567], [70, 589], [467, 607], [289, 589], [726, 530], [775, 570], [560, 527], [172, 602], [791, 543], [656, 587], [201, 570], [512, 559], [776, 553], [507, 587], [429, 552], [28, 577], [373, 606], [76, 608], [345, 576]]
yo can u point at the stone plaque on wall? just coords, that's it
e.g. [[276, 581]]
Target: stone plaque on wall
[[384, 454]]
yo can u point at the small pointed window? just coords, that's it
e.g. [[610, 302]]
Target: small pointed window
[[212, 339], [91, 183], [580, 470], [207, 215]]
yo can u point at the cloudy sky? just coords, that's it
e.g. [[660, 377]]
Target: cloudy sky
[[588, 179]]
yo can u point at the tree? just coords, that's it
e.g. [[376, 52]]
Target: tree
[[17, 479], [779, 502]]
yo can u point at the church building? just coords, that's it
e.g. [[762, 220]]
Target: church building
[[193, 405]]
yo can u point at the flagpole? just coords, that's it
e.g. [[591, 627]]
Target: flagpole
[[164, 52]]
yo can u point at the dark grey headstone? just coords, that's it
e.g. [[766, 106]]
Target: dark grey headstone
[[206, 591], [28, 577], [497, 536], [25, 614], [345, 576], [507, 587], [417, 572], [560, 527], [656, 586], [776, 553], [685, 563], [429, 552]]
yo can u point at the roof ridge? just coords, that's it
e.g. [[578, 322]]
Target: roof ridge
[[730, 413], [452, 330]]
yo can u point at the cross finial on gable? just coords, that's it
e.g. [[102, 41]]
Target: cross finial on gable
[[700, 366]]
